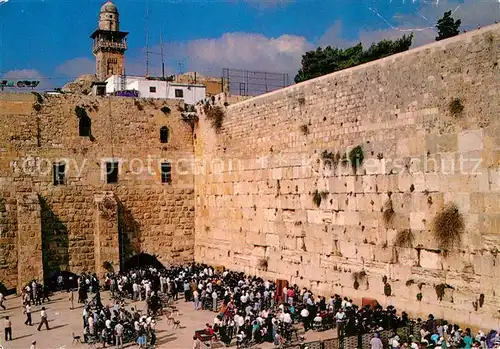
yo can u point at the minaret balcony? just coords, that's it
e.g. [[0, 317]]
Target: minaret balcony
[[108, 45]]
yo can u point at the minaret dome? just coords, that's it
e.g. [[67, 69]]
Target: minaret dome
[[109, 19]]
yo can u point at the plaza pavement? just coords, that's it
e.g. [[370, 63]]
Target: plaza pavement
[[63, 322]]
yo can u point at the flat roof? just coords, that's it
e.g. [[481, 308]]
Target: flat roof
[[143, 78]]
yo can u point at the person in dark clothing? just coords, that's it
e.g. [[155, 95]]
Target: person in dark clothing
[[45, 293]]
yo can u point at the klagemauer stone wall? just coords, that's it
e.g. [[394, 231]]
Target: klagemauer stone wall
[[428, 123], [75, 235]]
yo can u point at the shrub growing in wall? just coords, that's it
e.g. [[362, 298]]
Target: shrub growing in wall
[[448, 226], [330, 158], [216, 115], [358, 276], [456, 107], [440, 290], [356, 157], [263, 264], [387, 289], [388, 212], [165, 110], [404, 238], [304, 129], [319, 196]]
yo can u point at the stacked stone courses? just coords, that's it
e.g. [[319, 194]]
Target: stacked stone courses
[[267, 193], [414, 115]]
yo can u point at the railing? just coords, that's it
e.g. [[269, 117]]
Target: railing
[[361, 341], [109, 44]]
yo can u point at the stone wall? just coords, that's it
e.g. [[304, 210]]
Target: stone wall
[[372, 234], [151, 216]]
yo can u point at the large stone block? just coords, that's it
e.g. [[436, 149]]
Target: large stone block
[[470, 140]]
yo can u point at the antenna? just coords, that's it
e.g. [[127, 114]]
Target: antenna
[[162, 61], [147, 38]]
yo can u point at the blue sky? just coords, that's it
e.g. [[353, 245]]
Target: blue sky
[[49, 39]]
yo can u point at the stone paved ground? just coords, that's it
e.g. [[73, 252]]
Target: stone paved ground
[[63, 322]]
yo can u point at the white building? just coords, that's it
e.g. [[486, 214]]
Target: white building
[[156, 88]]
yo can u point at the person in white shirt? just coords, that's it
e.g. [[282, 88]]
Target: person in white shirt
[[304, 315], [340, 318], [214, 301], [287, 319], [244, 299], [318, 320], [43, 320], [27, 310], [135, 291]]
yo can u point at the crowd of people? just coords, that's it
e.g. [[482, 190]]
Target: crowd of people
[[250, 310], [247, 310]]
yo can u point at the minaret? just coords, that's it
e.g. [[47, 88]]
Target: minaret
[[109, 44]]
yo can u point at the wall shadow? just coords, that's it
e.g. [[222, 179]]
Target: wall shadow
[[128, 233], [55, 242]]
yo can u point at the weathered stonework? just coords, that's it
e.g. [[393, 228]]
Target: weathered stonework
[[152, 217], [106, 233], [248, 189], [29, 243], [255, 202]]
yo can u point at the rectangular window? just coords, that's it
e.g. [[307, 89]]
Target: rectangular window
[[59, 171], [152, 89], [179, 93], [166, 172], [112, 172]]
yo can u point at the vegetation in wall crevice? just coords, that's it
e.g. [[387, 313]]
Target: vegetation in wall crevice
[[404, 238], [456, 107], [216, 116], [304, 129], [448, 227], [356, 157], [318, 196]]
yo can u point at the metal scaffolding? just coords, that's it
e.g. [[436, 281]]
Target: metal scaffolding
[[253, 83]]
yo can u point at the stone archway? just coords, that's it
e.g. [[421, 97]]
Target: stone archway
[[142, 260]]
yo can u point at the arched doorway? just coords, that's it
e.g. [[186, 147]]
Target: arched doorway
[[142, 260], [70, 280]]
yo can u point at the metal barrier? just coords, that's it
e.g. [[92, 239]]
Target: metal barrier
[[362, 341]]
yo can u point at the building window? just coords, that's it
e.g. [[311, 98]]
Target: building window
[[84, 125], [59, 171], [112, 172], [164, 134], [179, 93], [152, 89], [166, 172]]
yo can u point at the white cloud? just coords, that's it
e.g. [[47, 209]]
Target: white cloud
[[249, 51], [76, 67]]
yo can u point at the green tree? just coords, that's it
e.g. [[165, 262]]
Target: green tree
[[327, 60], [447, 26]]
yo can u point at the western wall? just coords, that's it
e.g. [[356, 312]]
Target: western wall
[[269, 195], [83, 222], [270, 201]]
